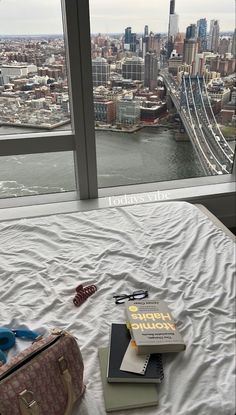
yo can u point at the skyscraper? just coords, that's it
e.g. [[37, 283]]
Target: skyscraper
[[128, 31], [214, 36], [173, 27], [202, 34], [145, 30], [154, 43], [151, 70], [190, 50], [233, 49], [172, 6], [130, 40], [191, 31], [133, 43]]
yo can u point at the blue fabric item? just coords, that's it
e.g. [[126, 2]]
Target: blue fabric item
[[27, 334], [7, 338]]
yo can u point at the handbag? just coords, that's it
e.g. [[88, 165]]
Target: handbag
[[44, 379]]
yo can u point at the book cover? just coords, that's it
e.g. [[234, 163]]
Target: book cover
[[151, 372], [121, 396], [152, 327]]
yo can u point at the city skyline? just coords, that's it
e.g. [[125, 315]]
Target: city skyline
[[45, 17]]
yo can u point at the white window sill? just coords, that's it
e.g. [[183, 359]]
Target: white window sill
[[219, 198]]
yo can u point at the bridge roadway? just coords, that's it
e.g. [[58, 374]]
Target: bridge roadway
[[214, 153]]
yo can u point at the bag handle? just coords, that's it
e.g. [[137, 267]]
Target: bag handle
[[68, 385], [28, 406]]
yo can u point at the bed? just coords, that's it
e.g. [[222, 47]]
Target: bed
[[172, 249]]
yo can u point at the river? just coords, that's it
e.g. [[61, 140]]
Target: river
[[148, 155]]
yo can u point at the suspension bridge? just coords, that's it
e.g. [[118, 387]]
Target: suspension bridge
[[192, 102]]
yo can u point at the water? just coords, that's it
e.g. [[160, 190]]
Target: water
[[149, 155]]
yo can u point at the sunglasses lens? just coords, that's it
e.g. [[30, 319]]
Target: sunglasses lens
[[120, 300]]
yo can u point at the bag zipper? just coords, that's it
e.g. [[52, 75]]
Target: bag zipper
[[27, 358]]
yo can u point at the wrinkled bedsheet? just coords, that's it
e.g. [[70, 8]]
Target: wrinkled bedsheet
[[171, 249]]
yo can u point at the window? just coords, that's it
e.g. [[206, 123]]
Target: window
[[103, 81], [141, 136], [41, 96]]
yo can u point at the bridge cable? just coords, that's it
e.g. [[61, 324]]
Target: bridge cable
[[214, 118], [197, 140], [209, 123], [202, 133]]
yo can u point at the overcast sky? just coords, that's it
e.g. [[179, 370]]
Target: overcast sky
[[44, 16]]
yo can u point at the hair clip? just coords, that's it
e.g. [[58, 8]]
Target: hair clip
[[82, 293]]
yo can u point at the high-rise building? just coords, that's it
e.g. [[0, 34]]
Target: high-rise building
[[130, 40], [151, 43], [151, 70], [133, 43], [224, 46], [190, 50], [128, 31], [233, 49], [223, 65], [214, 36], [133, 68], [199, 65], [100, 71], [202, 34], [179, 43], [172, 6], [154, 43], [145, 30], [173, 27], [191, 31], [145, 46]]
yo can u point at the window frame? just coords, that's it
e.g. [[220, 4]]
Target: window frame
[[81, 139]]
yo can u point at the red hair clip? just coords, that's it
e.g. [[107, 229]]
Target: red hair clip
[[82, 293]]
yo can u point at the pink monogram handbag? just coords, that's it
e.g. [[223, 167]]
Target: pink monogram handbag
[[44, 379]]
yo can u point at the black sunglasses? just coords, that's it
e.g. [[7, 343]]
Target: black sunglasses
[[136, 295]]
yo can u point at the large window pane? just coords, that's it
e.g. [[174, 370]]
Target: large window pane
[[163, 90], [33, 76], [36, 174], [34, 95]]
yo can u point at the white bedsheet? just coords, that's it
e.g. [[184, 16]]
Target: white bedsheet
[[170, 249]]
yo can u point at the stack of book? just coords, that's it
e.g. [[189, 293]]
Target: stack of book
[[131, 367]]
